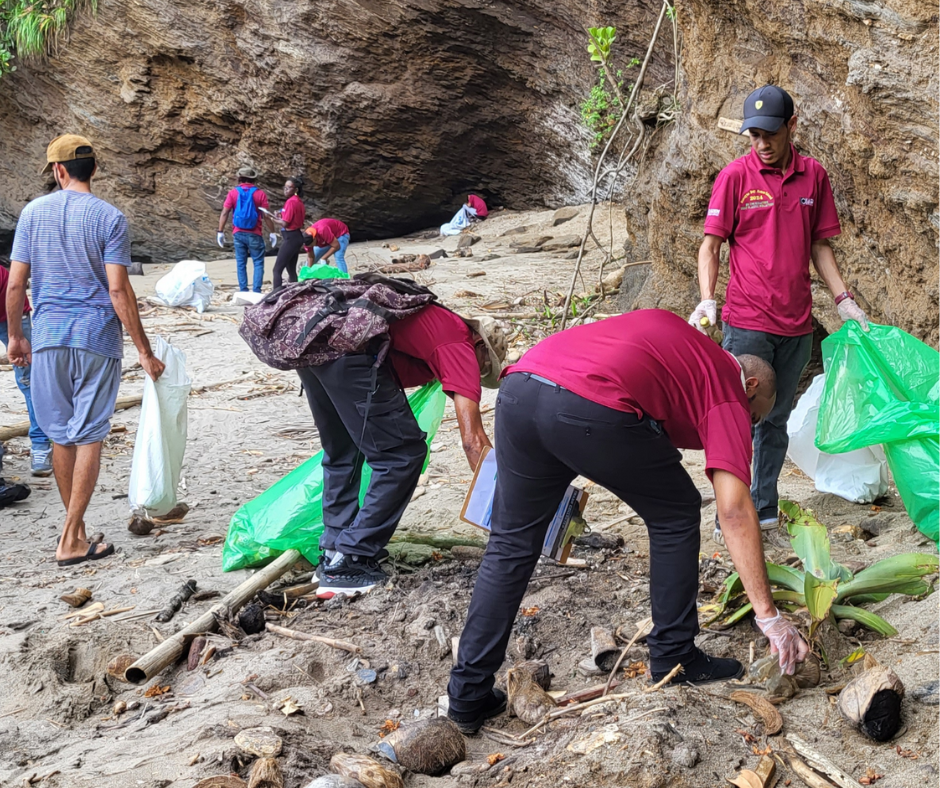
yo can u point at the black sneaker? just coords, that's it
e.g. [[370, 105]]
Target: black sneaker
[[703, 669], [10, 492], [469, 722], [349, 575]]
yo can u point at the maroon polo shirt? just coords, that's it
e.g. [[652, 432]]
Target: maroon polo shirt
[[770, 219], [652, 362]]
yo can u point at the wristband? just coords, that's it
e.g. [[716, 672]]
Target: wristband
[[842, 296]]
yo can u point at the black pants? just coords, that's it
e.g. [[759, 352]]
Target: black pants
[[545, 437], [292, 242], [388, 438]]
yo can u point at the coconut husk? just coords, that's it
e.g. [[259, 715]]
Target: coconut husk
[[429, 746], [266, 773], [77, 598], [762, 709], [222, 781], [334, 781], [365, 770], [872, 701], [780, 686], [260, 742], [527, 700], [195, 652]]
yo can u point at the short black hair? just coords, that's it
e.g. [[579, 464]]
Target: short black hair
[[80, 169], [298, 184]]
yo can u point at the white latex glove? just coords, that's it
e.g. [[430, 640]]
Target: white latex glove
[[849, 310], [220, 238], [272, 237], [709, 309], [785, 640]]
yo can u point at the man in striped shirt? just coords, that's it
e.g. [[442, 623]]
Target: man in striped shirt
[[77, 250]]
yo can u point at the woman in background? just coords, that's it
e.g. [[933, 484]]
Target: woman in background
[[292, 238]]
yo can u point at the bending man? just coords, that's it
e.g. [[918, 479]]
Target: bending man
[[434, 344], [614, 401]]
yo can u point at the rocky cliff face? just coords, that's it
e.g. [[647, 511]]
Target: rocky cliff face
[[393, 109]]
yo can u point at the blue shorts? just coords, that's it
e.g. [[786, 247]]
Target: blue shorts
[[74, 392]]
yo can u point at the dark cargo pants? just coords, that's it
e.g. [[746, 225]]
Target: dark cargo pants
[[789, 357], [545, 437], [388, 438]]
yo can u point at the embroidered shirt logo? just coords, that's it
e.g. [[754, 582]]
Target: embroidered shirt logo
[[714, 211], [756, 198], [806, 200]]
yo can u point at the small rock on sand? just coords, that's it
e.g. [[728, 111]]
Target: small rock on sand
[[563, 215]]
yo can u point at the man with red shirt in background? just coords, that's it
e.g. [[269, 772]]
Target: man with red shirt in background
[[434, 344], [775, 209], [327, 238], [614, 401], [244, 204]]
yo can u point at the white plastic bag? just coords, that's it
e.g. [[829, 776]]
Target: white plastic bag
[[858, 476], [186, 285], [161, 435]]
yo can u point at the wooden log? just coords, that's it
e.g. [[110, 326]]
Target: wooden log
[[21, 428], [171, 649]]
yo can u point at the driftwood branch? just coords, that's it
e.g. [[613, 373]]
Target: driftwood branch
[[176, 602], [171, 649], [293, 634], [822, 763], [21, 429]]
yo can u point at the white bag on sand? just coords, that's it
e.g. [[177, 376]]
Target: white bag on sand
[[459, 222], [186, 285], [859, 476], [161, 435]]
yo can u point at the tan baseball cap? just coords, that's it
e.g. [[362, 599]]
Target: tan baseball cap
[[496, 346], [67, 147]]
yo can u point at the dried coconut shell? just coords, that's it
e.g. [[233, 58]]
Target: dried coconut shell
[[77, 598], [872, 701], [429, 746], [762, 709], [119, 664], [222, 781], [527, 700], [260, 742], [539, 671], [266, 773], [365, 770]]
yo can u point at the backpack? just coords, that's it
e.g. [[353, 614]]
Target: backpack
[[305, 324], [246, 212]]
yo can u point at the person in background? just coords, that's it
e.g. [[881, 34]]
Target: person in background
[[41, 447], [291, 222], [775, 208], [327, 238], [244, 205], [472, 211], [76, 249]]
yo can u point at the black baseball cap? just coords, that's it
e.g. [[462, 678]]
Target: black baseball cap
[[767, 108]]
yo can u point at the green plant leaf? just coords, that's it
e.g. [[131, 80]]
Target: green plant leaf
[[819, 594], [900, 574], [785, 577], [866, 618], [810, 542]]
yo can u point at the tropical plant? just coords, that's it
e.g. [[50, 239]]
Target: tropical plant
[[604, 105], [34, 29], [826, 589]]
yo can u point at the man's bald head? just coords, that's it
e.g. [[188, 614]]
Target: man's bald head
[[760, 384]]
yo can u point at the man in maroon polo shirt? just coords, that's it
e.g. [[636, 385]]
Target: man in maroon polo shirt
[[434, 344], [775, 209], [614, 401]]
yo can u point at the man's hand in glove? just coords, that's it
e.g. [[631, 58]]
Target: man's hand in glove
[[785, 640], [220, 239], [709, 309], [849, 310], [272, 237]]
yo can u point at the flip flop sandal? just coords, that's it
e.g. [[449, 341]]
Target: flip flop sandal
[[91, 555]]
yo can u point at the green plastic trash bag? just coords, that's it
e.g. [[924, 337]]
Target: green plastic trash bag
[[883, 387], [289, 515], [320, 271]]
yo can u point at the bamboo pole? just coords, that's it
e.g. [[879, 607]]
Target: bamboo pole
[[171, 649]]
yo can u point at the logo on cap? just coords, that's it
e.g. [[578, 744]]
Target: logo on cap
[[758, 105]]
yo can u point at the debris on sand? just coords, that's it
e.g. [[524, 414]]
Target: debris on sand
[[527, 700], [429, 746], [365, 770], [176, 602], [872, 701], [77, 598], [260, 742]]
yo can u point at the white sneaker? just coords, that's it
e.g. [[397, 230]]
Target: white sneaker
[[770, 522]]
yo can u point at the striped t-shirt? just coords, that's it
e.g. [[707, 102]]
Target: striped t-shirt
[[67, 238]]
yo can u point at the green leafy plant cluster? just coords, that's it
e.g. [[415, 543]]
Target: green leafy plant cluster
[[826, 589], [603, 107], [34, 29]]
